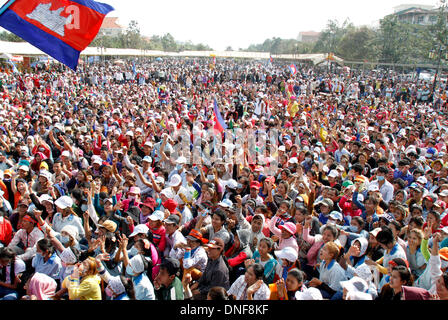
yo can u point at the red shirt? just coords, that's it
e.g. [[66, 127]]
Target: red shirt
[[5, 231], [159, 238]]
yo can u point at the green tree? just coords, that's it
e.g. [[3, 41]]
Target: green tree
[[331, 37], [10, 37], [168, 43], [358, 44], [132, 37]]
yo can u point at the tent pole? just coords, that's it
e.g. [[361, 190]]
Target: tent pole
[[6, 6]]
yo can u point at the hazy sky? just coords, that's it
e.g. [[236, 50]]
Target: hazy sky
[[239, 23]]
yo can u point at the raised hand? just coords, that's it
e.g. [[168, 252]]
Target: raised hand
[[254, 288], [281, 288], [239, 201]]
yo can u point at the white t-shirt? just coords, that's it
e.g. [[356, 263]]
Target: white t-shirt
[[19, 267]]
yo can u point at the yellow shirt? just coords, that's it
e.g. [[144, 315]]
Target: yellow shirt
[[88, 289]]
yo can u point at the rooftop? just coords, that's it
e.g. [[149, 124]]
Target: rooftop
[[111, 23]]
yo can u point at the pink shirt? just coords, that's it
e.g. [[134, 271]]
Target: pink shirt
[[316, 243], [283, 243]]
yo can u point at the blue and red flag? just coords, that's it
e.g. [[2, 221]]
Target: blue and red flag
[[220, 124], [293, 69], [60, 28]]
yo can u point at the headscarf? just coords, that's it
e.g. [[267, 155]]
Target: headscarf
[[42, 286], [244, 237], [364, 244], [71, 230], [259, 235]]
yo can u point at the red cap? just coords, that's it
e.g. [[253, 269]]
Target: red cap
[[150, 203], [170, 204], [255, 185]]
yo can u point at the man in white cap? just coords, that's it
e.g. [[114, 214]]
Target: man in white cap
[[174, 238], [179, 169], [174, 187]]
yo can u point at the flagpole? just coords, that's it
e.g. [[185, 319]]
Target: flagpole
[[6, 6]]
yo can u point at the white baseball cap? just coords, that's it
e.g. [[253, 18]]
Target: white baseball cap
[[333, 174], [24, 168], [175, 180], [65, 153], [147, 159], [64, 202], [45, 197], [181, 160], [45, 173], [232, 184], [157, 216], [140, 228], [226, 203]]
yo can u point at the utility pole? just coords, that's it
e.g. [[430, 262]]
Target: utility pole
[[437, 71], [441, 39]]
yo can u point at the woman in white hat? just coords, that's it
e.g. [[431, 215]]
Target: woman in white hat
[[66, 216], [45, 204], [136, 268]]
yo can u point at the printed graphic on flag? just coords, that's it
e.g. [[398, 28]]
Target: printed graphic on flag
[[293, 69], [219, 124], [60, 28]]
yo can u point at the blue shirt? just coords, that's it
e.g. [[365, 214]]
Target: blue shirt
[[51, 268], [409, 178], [143, 287]]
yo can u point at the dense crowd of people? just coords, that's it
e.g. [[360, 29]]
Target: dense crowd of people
[[178, 179]]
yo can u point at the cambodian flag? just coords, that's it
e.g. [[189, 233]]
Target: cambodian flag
[[293, 69], [60, 28], [220, 125]]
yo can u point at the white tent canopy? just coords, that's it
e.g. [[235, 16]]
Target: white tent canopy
[[26, 49]]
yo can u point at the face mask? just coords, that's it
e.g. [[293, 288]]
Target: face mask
[[380, 178], [131, 197], [353, 228], [84, 208], [64, 240], [132, 252], [210, 177], [178, 167]]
